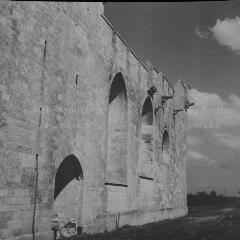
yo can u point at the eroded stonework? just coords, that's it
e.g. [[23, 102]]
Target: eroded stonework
[[88, 132]]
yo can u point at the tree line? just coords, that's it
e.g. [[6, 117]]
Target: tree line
[[203, 198]]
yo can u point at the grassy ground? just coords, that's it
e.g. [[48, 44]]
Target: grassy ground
[[202, 223]]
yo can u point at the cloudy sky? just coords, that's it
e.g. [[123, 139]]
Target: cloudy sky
[[197, 42]]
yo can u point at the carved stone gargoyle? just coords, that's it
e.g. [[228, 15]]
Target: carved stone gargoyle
[[176, 111], [165, 98], [157, 108], [187, 105], [152, 91]]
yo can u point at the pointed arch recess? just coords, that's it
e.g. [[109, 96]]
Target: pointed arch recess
[[166, 146], [146, 149], [68, 192], [69, 169], [116, 179]]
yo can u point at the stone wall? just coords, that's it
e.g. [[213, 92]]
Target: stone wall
[[57, 68]]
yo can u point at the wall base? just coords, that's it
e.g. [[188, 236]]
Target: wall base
[[110, 222], [38, 236]]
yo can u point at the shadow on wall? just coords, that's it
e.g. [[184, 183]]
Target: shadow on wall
[[166, 147], [147, 112], [68, 197], [68, 170]]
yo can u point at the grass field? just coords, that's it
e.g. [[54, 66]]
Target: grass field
[[202, 223]]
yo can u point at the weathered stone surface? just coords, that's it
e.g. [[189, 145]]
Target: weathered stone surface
[[59, 98]]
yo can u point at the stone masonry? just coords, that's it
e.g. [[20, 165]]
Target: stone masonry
[[87, 131]]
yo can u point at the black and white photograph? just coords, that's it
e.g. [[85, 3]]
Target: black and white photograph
[[120, 120]]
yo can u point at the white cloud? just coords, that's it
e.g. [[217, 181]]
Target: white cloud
[[227, 33], [228, 140], [235, 101], [211, 111], [199, 157], [202, 34], [193, 140]]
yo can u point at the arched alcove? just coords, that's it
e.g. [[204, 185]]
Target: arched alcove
[[166, 146], [146, 144], [68, 192], [146, 155], [147, 112], [117, 145], [117, 132]]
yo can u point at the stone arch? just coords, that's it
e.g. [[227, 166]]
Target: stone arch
[[117, 131], [146, 155], [68, 191], [117, 145], [69, 169], [146, 135], [117, 85], [166, 146], [147, 112]]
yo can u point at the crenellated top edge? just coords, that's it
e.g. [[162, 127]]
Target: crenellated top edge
[[141, 62]]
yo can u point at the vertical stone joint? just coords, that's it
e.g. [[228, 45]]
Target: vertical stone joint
[[76, 79], [45, 50], [40, 117]]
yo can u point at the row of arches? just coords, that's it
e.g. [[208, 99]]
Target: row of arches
[[118, 132], [69, 175], [118, 153]]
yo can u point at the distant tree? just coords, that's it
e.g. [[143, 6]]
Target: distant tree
[[201, 198], [202, 194], [212, 194]]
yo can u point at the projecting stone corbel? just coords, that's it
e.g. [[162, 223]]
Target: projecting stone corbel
[[165, 98], [157, 109], [152, 91], [176, 111], [187, 105]]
